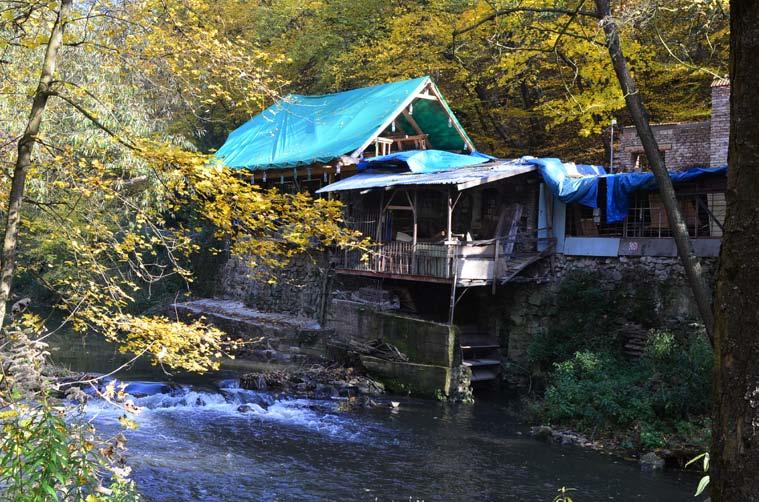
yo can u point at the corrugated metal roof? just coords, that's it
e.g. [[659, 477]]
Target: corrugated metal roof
[[463, 177]]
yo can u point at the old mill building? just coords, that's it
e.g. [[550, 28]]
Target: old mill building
[[459, 233]]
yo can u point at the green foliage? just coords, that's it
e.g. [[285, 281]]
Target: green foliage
[[658, 395], [48, 450], [679, 369], [704, 481], [563, 495], [592, 390]]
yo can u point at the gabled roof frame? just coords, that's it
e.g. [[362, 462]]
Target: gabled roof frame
[[426, 90]]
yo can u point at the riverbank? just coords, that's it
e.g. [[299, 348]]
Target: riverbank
[[674, 455]]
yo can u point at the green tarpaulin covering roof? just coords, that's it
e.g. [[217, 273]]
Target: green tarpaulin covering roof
[[302, 130]]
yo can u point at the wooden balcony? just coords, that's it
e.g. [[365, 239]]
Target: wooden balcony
[[477, 263]]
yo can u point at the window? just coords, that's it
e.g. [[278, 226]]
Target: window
[[704, 215]]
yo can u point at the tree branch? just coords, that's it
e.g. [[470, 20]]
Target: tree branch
[[536, 10]]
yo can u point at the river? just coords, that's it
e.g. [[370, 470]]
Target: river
[[193, 443]]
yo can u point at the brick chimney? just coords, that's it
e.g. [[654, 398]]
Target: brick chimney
[[720, 122]]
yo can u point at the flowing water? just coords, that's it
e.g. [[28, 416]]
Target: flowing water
[[194, 443]]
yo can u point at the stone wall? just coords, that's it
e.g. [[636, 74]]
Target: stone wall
[[528, 309], [298, 289]]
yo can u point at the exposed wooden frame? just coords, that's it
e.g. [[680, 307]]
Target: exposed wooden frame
[[432, 87], [405, 104], [426, 95], [410, 119], [429, 91]]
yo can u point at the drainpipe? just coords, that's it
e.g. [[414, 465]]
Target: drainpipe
[[611, 147]]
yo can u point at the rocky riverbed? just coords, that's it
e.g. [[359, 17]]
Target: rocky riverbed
[[315, 382]]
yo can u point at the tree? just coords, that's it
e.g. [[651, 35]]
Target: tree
[[565, 18], [637, 111], [112, 193], [517, 83], [105, 198], [735, 433]]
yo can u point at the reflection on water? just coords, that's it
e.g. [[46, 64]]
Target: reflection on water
[[210, 441]]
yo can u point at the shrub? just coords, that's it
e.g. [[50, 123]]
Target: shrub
[[660, 394], [679, 372], [593, 390]]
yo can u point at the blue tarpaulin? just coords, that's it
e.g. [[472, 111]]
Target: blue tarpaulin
[[619, 187], [425, 161], [302, 130], [579, 184], [582, 187]]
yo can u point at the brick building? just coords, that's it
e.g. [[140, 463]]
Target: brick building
[[683, 144]]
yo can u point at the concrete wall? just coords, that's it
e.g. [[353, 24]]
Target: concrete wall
[[431, 347], [424, 342]]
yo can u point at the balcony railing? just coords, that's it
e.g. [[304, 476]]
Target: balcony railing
[[478, 261], [403, 258]]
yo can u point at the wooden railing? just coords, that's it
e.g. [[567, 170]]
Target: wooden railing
[[403, 258], [478, 260]]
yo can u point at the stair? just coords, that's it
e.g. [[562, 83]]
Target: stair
[[481, 353]]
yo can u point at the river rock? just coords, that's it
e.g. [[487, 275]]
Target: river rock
[[651, 462], [543, 432], [562, 437], [315, 382], [324, 391]]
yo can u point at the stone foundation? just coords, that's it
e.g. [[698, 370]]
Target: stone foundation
[[299, 287], [654, 289]]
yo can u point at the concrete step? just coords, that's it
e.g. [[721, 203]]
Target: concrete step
[[484, 375], [482, 362], [481, 347], [477, 339]]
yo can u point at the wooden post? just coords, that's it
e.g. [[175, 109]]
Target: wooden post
[[495, 264], [413, 209], [453, 297], [448, 236], [413, 201]]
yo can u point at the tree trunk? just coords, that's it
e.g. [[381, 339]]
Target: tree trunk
[[735, 429], [24, 157], [640, 118]]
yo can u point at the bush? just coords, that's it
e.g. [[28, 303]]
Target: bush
[[593, 390], [657, 395], [679, 370]]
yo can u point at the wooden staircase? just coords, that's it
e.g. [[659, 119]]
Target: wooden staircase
[[481, 352]]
